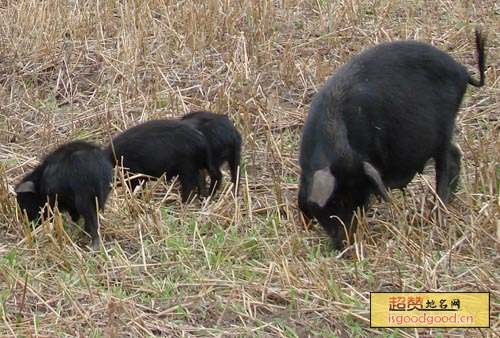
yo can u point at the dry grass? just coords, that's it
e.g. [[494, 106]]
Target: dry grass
[[243, 266]]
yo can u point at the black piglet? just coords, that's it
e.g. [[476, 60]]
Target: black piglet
[[160, 147], [224, 141], [77, 177]]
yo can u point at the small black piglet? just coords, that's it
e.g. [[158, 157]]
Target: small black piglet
[[77, 177], [224, 141], [160, 147]]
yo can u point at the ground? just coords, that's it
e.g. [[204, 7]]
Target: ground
[[244, 264]]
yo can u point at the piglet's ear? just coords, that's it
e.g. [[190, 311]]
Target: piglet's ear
[[27, 186], [322, 187], [374, 176]]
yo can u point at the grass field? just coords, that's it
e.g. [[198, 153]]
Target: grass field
[[244, 265]]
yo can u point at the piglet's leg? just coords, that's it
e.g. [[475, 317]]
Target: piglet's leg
[[215, 180], [189, 177], [202, 188], [87, 208]]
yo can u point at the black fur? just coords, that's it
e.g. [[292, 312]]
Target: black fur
[[224, 141], [74, 175], [160, 147], [392, 107]]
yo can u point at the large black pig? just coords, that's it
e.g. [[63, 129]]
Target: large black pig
[[375, 124]]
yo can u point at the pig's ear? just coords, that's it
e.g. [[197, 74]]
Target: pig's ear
[[28, 186], [322, 186], [374, 176]]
